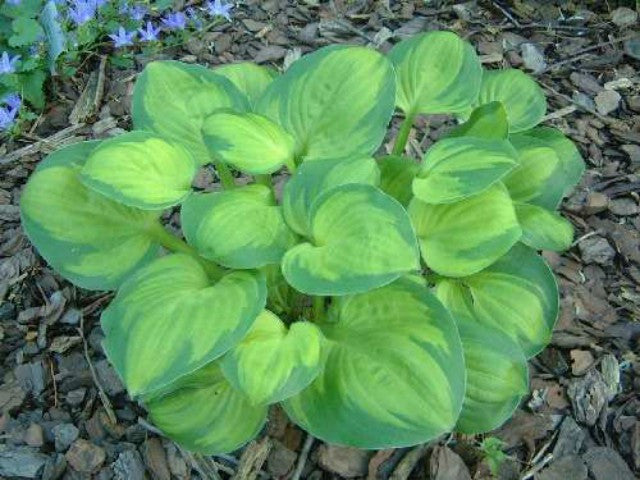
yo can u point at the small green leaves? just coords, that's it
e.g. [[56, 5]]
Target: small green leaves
[[456, 168], [394, 372], [361, 239], [462, 238], [248, 78], [274, 362], [247, 141], [542, 229], [438, 72], [141, 170], [240, 228], [520, 95], [90, 239], [204, 414], [336, 102], [170, 307]]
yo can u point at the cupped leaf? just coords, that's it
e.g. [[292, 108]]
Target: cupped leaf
[[542, 229], [91, 240], [203, 413], [396, 175], [248, 141], [394, 372], [521, 96], [336, 102], [462, 238], [456, 168], [172, 307], [173, 98], [438, 72], [517, 294], [240, 228], [535, 172], [497, 376], [486, 121], [314, 178], [361, 239], [141, 170], [250, 79], [274, 362]]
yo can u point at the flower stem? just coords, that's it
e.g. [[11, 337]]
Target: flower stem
[[403, 134], [318, 308], [226, 177]]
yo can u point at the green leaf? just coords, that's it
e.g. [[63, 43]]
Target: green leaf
[[520, 95], [141, 170], [54, 34], [25, 31], [172, 307], [361, 239], [486, 121], [177, 113], [91, 240], [517, 294], [32, 87], [274, 362], [240, 228], [542, 229], [456, 168], [497, 376], [394, 371], [396, 175], [462, 238], [438, 72], [250, 79], [316, 177], [248, 141], [204, 414], [336, 102]]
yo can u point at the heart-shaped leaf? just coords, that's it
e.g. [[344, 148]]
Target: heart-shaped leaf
[[274, 362], [542, 229], [248, 78], [534, 173], [172, 307], [438, 72], [396, 175], [456, 168], [462, 238], [394, 371], [141, 170], [91, 240], [336, 102], [486, 121], [240, 228], [361, 239]]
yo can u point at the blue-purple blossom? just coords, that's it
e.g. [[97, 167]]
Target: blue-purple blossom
[[123, 38], [14, 2], [195, 19], [138, 12], [81, 11], [175, 21], [9, 112], [99, 3], [217, 8], [149, 33], [13, 100], [8, 63]]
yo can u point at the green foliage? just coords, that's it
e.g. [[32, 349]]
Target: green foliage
[[491, 448], [384, 300]]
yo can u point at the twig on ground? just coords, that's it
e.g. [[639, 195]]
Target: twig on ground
[[55, 384], [507, 14], [563, 112], [536, 468], [46, 144], [302, 459]]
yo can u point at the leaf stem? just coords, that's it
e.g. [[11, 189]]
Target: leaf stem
[[403, 134], [318, 308], [226, 177], [264, 180]]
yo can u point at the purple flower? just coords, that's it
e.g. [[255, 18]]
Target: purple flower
[[8, 113], [8, 63], [195, 19], [122, 38], [13, 100], [150, 33], [99, 3], [138, 12], [175, 21], [82, 11], [217, 8], [14, 2]]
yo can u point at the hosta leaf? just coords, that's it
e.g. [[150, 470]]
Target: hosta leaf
[[456, 168], [534, 173], [394, 372], [171, 306], [462, 238], [542, 229], [336, 102], [517, 294], [91, 240], [438, 72], [274, 362], [248, 78], [486, 121], [520, 95], [361, 239], [497, 376], [56, 41], [141, 170], [177, 113], [204, 414], [314, 178], [247, 141], [396, 175], [240, 228]]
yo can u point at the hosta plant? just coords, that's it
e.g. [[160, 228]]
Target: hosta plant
[[381, 299]]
